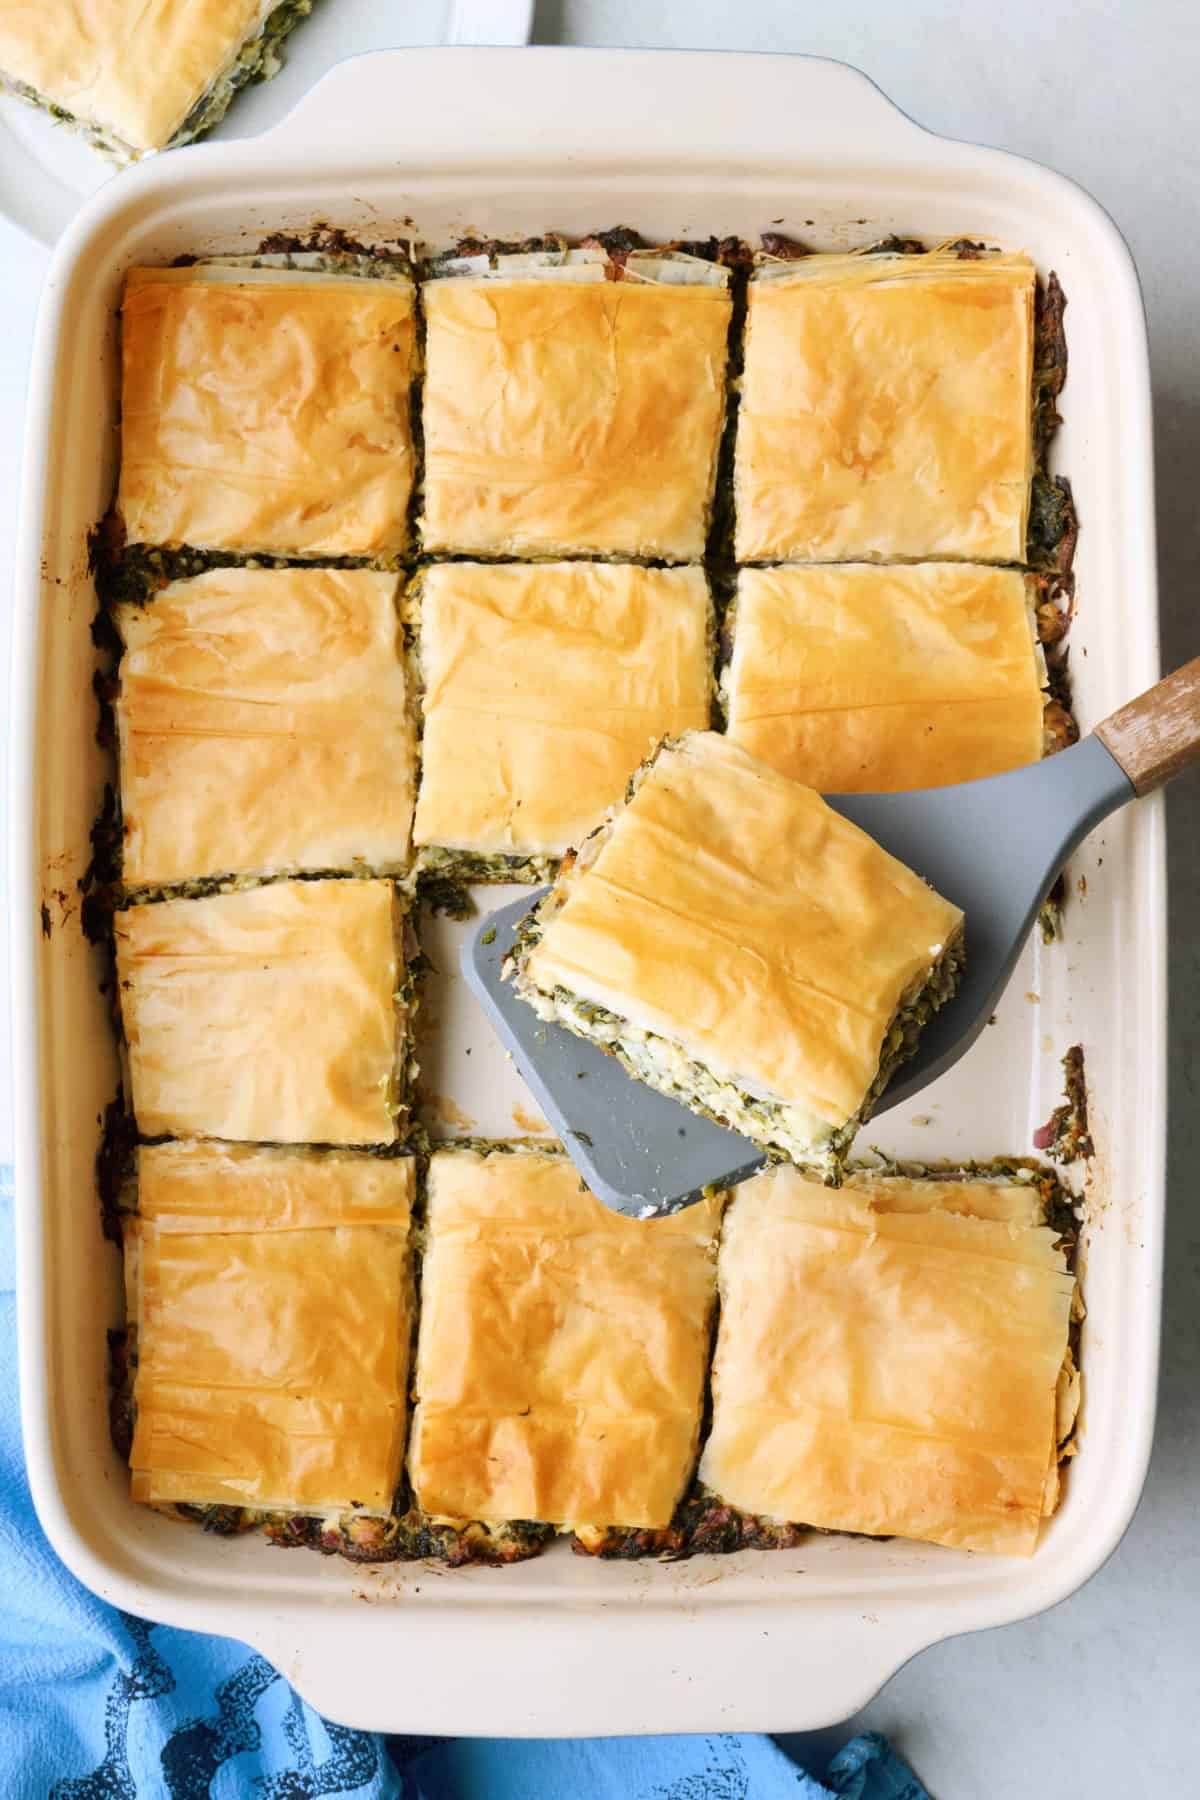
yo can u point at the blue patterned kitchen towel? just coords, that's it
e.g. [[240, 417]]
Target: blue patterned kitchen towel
[[96, 1705], [657, 1768]]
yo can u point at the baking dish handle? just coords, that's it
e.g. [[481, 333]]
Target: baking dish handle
[[591, 1669], [539, 98]]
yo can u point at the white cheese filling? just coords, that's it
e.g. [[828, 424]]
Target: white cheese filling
[[666, 1066]]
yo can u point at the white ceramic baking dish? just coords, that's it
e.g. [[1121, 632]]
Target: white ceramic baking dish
[[516, 141]]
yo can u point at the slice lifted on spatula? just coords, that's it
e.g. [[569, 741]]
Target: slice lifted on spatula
[[993, 847], [742, 949]]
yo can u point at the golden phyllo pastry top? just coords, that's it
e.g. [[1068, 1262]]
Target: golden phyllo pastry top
[[266, 409], [272, 1295], [572, 416], [562, 1348], [264, 726], [544, 686], [886, 409], [267, 1015], [891, 1359], [857, 678]]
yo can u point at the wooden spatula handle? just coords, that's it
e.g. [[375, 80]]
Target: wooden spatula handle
[[1157, 735]]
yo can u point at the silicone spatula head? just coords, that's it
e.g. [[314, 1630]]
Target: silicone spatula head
[[994, 847]]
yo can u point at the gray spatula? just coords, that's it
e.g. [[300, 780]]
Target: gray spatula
[[994, 847]]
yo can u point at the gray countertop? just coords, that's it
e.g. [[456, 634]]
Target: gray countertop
[[1089, 1699], [1092, 1698]]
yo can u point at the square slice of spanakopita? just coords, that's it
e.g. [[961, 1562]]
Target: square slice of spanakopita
[[861, 678], [562, 1348], [887, 409], [273, 1014], [543, 687], [270, 1301], [742, 948], [892, 1359], [264, 727], [133, 78], [265, 407], [574, 407]]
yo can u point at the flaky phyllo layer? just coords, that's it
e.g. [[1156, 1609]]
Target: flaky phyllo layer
[[541, 688], [863, 678], [742, 948], [266, 407], [562, 1347], [264, 727], [566, 412], [886, 409], [893, 1359], [276, 1014], [272, 1296]]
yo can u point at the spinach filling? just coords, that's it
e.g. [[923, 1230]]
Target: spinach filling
[[616, 243], [442, 875], [1053, 526], [93, 135], [703, 1524], [134, 573], [401, 1536], [257, 60], [407, 1535], [719, 556], [1065, 1137], [318, 255], [912, 1016], [338, 246]]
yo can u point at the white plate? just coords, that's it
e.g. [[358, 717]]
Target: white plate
[[47, 169], [675, 144]]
